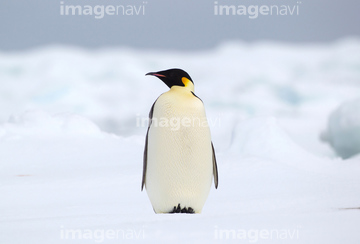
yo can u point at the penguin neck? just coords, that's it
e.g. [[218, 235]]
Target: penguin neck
[[189, 87]]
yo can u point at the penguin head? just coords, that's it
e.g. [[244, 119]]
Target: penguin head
[[175, 77]]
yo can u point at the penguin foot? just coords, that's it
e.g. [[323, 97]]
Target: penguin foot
[[178, 209]]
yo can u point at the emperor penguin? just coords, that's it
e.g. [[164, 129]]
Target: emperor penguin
[[179, 157]]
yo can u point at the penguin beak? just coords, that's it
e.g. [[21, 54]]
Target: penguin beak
[[156, 74]]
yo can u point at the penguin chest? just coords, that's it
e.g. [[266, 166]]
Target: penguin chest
[[179, 167]]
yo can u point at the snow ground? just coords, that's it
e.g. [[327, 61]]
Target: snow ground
[[343, 130], [71, 145]]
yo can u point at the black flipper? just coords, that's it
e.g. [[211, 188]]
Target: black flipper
[[215, 170], [146, 147]]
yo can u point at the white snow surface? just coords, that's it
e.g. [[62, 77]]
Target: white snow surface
[[72, 139], [343, 131]]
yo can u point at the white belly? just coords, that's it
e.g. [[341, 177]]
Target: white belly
[[179, 162]]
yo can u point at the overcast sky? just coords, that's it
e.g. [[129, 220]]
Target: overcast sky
[[165, 24]]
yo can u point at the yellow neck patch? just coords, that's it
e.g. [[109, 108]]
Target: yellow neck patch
[[188, 83]]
